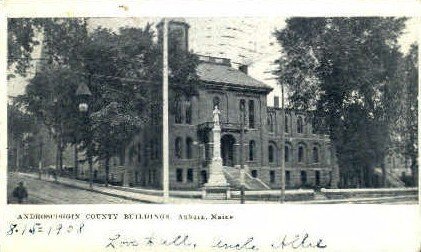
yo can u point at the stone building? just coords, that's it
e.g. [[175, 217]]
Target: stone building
[[309, 158]]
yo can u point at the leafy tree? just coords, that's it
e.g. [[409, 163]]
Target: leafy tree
[[19, 122], [344, 68], [50, 96], [61, 40], [123, 71], [404, 120], [21, 41], [121, 67], [61, 37], [412, 109]]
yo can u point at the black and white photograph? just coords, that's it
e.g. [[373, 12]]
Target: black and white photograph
[[212, 110]]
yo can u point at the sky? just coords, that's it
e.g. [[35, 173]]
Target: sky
[[246, 40]]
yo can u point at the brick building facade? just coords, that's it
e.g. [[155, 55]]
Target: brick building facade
[[309, 158]]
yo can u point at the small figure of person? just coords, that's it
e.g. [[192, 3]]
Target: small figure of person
[[20, 192]]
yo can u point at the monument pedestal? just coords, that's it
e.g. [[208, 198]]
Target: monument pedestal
[[217, 186], [216, 192]]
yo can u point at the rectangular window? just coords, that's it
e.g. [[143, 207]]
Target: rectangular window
[[254, 173], [251, 114], [287, 178], [190, 175], [303, 177], [317, 175], [272, 176], [204, 176], [179, 175]]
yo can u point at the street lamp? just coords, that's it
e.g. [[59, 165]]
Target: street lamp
[[83, 94]]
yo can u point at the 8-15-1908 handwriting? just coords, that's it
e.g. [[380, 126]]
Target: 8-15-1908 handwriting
[[38, 228]]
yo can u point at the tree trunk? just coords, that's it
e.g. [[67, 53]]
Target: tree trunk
[[57, 157], [370, 176], [107, 169], [76, 168], [384, 177], [61, 158], [414, 170], [361, 181], [91, 175]]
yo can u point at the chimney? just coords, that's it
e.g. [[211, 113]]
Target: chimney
[[178, 34], [276, 101], [243, 68]]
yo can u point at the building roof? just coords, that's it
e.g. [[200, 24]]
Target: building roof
[[224, 74]]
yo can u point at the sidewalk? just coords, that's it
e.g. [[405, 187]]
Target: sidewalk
[[125, 194]]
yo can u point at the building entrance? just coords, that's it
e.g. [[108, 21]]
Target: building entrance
[[227, 150]]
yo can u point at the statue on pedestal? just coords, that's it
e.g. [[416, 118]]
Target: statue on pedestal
[[217, 186], [216, 113]]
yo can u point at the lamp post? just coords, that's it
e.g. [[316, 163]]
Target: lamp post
[[83, 94], [242, 175], [165, 112]]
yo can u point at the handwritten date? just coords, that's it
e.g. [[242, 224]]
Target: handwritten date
[[40, 228]]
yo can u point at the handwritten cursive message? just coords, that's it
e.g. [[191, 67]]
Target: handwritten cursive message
[[289, 242]]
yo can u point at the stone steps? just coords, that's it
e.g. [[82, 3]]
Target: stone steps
[[232, 174]]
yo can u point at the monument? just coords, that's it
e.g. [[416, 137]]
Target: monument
[[217, 186]]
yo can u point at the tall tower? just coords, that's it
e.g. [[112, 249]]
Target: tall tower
[[178, 34]]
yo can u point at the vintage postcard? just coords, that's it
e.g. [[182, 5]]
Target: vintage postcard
[[134, 128]]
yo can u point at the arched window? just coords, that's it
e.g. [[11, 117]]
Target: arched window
[[188, 111], [300, 127], [189, 149], [252, 147], [270, 120], [216, 102], [251, 114], [286, 124], [301, 154], [315, 154], [178, 148], [287, 150], [242, 107], [271, 153], [178, 111], [314, 124]]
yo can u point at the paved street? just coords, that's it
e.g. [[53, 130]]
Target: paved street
[[48, 192], [45, 192]]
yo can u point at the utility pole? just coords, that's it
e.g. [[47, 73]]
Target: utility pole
[[242, 175], [165, 128], [282, 146]]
